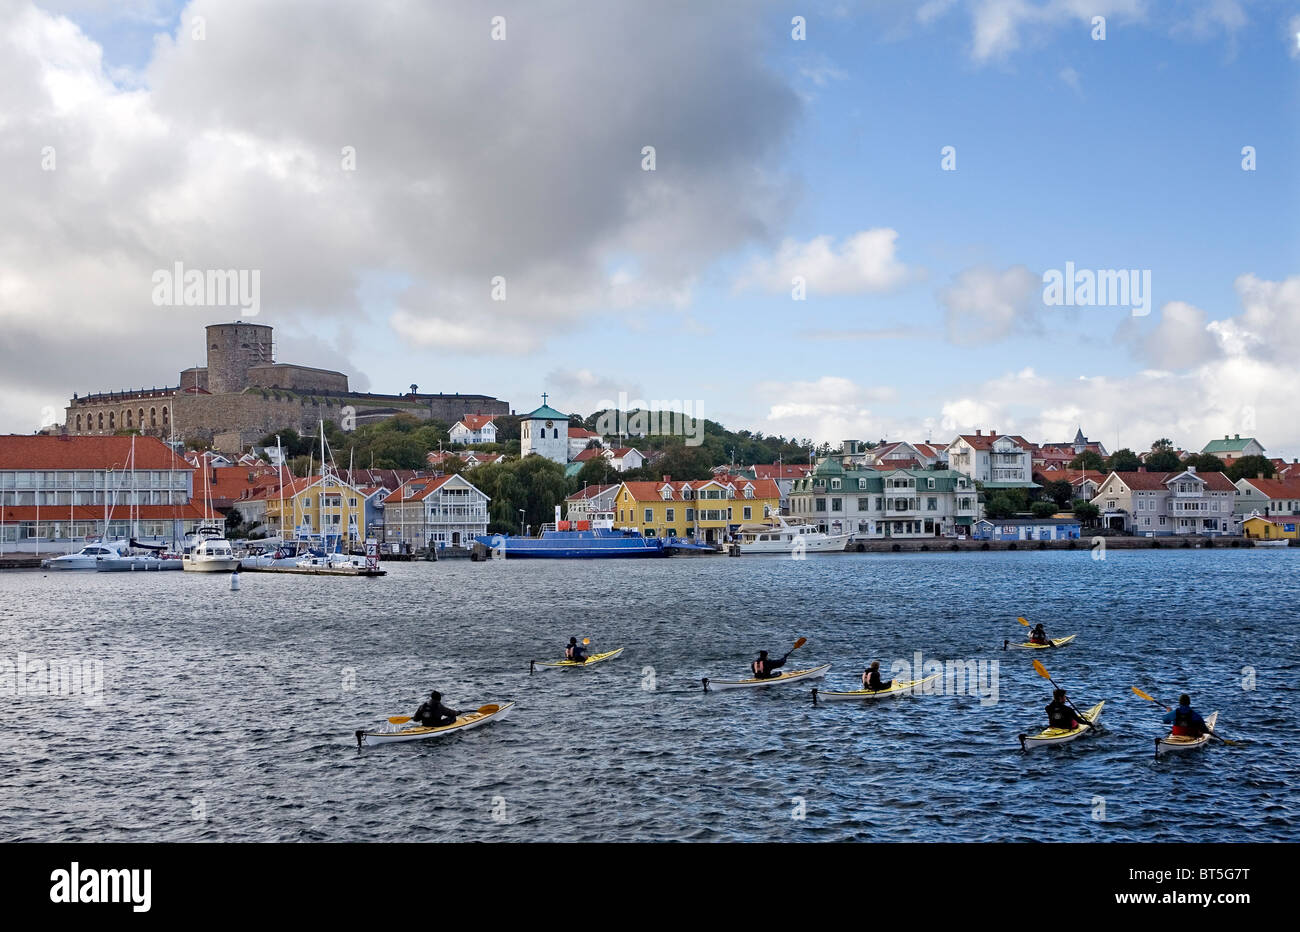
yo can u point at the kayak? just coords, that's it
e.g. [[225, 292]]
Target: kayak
[[897, 688], [1180, 743], [573, 664], [1026, 645], [1061, 735], [484, 715], [812, 673]]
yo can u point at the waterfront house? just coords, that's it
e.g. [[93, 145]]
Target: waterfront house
[[57, 491], [1268, 496], [474, 428], [904, 455], [1271, 527], [1027, 529], [1234, 448], [593, 499], [441, 511], [1166, 503], [872, 504], [707, 510], [324, 509], [997, 461]]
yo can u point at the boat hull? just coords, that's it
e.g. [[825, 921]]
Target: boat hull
[[463, 722], [794, 676], [214, 565], [1170, 743], [900, 688], [568, 545], [137, 565], [1055, 642], [543, 665], [1051, 736]]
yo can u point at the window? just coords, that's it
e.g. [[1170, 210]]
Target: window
[[669, 514], [821, 504], [880, 503], [837, 504], [690, 514], [929, 483], [862, 483], [746, 514], [864, 504], [835, 483], [649, 515], [932, 503]]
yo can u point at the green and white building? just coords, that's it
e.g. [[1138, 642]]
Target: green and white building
[[875, 504]]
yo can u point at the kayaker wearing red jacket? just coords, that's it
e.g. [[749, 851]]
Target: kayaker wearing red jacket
[[433, 714], [764, 667], [1059, 713], [1038, 635], [871, 678], [1185, 720]]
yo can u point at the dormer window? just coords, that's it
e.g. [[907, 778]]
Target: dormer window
[[749, 491], [667, 493], [929, 483], [835, 483], [862, 483]]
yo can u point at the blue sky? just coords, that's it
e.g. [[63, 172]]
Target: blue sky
[[1115, 154]]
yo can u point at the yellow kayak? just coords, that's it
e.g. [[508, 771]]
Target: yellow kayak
[[573, 664], [1029, 645], [483, 715], [897, 688], [812, 673], [1061, 735]]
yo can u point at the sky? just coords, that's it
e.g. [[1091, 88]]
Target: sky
[[853, 211]]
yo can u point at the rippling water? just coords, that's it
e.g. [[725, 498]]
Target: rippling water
[[230, 715]]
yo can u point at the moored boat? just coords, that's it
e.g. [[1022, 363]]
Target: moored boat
[[140, 563], [88, 557], [1049, 736], [782, 537], [792, 676], [589, 544], [483, 715], [208, 551]]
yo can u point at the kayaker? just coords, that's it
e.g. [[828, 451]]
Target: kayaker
[[1059, 713], [765, 667], [575, 651], [871, 678], [1038, 635], [1186, 721], [433, 714]]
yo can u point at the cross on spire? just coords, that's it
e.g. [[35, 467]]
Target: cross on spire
[[544, 397]]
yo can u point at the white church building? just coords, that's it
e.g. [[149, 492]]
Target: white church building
[[545, 432]]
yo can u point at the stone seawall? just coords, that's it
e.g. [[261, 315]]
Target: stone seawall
[[943, 544]]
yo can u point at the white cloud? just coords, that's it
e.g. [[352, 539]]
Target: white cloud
[[863, 263], [831, 408], [1071, 78], [1181, 339], [983, 304]]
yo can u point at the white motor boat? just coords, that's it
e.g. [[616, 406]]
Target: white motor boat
[[787, 538], [208, 551], [140, 563], [88, 557]]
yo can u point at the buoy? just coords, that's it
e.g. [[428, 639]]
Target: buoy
[[234, 581]]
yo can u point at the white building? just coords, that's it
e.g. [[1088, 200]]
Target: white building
[[1159, 504], [580, 438], [546, 433], [474, 428], [594, 499], [871, 504], [442, 511], [1000, 462]]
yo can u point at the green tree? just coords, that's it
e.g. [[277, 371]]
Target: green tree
[[1043, 509], [1163, 445], [596, 471], [1058, 491], [1248, 467], [1087, 513], [1124, 460], [1088, 459], [1206, 462], [999, 505], [1164, 461]]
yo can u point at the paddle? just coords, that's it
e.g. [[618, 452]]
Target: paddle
[[1026, 623], [1150, 698], [1042, 671]]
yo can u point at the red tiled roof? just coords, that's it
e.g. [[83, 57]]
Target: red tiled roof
[[620, 452], [1277, 488], [45, 451], [588, 454], [652, 491], [985, 441], [781, 471], [476, 421], [1153, 481], [583, 433], [590, 491], [426, 488]]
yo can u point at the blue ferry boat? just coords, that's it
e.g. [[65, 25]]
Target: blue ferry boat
[[592, 544]]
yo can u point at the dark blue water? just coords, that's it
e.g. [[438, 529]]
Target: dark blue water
[[230, 716]]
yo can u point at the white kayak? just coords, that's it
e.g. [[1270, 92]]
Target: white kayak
[[574, 664], [812, 673], [897, 688], [1050, 736], [1180, 743], [484, 715]]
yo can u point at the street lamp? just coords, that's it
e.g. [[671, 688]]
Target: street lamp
[[521, 522]]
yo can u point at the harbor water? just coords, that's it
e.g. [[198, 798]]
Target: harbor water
[[230, 715]]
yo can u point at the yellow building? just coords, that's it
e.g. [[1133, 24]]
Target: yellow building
[[323, 507], [1272, 527], [705, 509]]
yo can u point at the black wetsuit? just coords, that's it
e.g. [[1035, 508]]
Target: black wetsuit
[[765, 668], [874, 682], [575, 653], [1060, 715], [434, 715]]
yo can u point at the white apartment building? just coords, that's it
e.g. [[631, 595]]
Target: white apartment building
[[1156, 504], [443, 511], [999, 461], [873, 504]]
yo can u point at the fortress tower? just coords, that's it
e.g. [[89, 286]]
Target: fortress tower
[[233, 349]]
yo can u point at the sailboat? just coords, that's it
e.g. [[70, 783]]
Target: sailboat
[[207, 550]]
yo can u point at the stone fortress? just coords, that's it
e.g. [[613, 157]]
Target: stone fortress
[[242, 394]]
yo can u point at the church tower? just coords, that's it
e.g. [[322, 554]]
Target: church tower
[[545, 432]]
